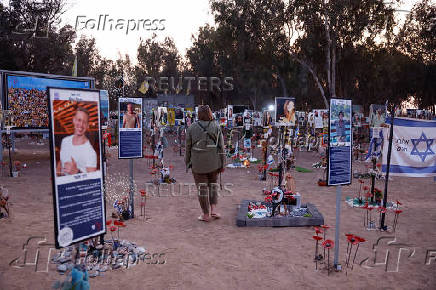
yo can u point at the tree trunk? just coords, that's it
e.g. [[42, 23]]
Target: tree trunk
[[333, 80], [328, 51]]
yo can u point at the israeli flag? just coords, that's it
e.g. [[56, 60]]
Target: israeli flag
[[375, 146], [413, 148]]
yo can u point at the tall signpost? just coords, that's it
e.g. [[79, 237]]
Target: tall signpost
[[130, 137]]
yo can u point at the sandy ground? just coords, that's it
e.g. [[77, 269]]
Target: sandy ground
[[220, 255]]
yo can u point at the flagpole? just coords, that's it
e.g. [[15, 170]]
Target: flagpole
[[388, 165]]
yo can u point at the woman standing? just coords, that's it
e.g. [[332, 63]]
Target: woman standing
[[205, 156]]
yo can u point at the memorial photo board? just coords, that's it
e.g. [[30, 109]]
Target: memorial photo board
[[76, 162], [266, 118], [285, 111], [318, 115], [171, 117], [179, 114], [26, 96], [339, 157], [257, 119], [229, 112], [377, 115], [130, 128], [357, 115]]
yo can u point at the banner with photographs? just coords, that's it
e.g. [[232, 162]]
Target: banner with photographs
[[130, 128], [76, 160], [104, 108], [285, 112], [339, 161], [26, 97], [377, 115]]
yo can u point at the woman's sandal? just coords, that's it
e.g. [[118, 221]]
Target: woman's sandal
[[200, 218], [216, 215]]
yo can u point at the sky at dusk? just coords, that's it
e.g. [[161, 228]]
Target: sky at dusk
[[176, 19]]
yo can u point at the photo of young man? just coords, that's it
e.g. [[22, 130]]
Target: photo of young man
[[130, 118], [340, 123], [130, 127], [340, 128], [77, 155], [239, 120], [77, 178]]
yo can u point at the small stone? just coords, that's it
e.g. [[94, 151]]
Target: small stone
[[93, 274], [132, 258], [62, 268], [116, 266], [103, 269]]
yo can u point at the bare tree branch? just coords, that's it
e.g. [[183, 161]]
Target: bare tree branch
[[315, 77]]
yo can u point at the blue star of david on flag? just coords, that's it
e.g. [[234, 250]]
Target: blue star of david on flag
[[416, 142]]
